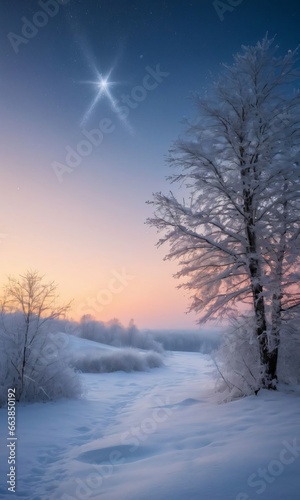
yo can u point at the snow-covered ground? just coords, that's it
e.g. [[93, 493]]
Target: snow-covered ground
[[156, 435]]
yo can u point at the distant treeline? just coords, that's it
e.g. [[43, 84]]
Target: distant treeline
[[115, 334]]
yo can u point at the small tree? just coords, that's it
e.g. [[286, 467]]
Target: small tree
[[237, 235], [27, 308]]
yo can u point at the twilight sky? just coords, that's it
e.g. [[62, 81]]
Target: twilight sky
[[75, 177]]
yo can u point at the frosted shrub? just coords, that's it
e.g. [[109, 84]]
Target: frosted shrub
[[289, 353], [47, 374], [126, 360], [31, 361], [238, 362]]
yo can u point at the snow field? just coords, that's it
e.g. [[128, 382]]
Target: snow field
[[157, 435]]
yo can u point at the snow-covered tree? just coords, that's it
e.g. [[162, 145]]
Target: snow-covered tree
[[31, 358], [237, 235]]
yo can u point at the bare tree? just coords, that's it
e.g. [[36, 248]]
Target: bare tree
[[34, 303], [237, 235]]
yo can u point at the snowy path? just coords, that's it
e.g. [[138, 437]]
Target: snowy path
[[158, 435]]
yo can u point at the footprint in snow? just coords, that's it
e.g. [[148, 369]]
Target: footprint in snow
[[189, 402], [114, 455]]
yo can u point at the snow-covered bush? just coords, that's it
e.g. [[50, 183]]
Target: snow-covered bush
[[237, 360], [126, 360], [113, 333], [289, 352], [47, 374], [31, 361]]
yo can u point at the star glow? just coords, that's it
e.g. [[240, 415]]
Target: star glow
[[103, 84], [103, 87]]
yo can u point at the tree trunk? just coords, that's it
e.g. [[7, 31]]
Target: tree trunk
[[24, 353], [268, 347], [277, 298], [272, 368], [268, 360], [261, 327], [275, 334]]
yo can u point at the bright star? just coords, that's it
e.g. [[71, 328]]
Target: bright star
[[103, 84], [103, 87]]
